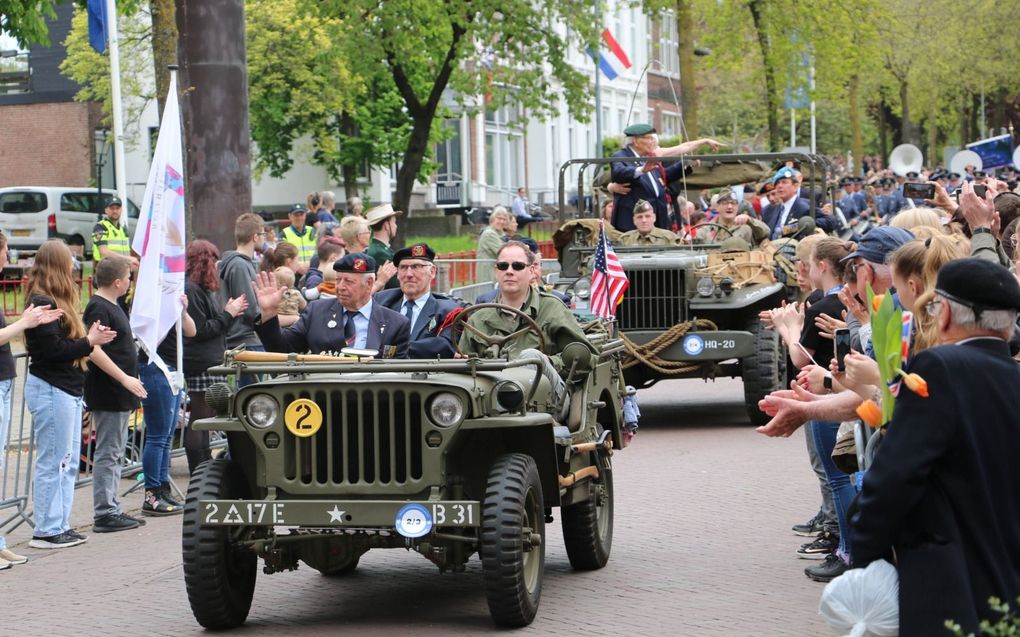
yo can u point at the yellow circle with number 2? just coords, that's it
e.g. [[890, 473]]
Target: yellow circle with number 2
[[303, 418]]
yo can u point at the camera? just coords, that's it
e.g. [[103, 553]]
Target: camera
[[841, 343], [980, 190], [919, 191]]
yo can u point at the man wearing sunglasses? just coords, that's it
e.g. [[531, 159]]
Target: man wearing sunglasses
[[514, 263], [431, 314]]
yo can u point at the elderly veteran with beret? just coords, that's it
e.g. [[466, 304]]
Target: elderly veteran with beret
[[942, 489], [645, 233], [431, 314], [781, 217], [331, 324], [740, 226]]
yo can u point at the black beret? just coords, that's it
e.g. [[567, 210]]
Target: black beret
[[416, 251], [357, 263], [978, 284]]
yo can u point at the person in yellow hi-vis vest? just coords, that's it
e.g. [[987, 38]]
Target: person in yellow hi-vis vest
[[109, 237], [300, 236]]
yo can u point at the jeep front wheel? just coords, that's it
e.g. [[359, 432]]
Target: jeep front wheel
[[764, 371], [588, 524], [513, 540], [218, 575]]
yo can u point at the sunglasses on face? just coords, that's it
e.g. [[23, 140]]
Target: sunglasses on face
[[503, 266]]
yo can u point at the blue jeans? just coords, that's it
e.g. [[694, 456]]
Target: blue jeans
[[842, 489], [6, 387], [160, 409], [56, 418]]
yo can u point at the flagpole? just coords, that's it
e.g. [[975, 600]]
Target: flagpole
[[180, 319], [598, 89], [118, 119]]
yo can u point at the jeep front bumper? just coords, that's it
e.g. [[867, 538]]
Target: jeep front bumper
[[700, 346]]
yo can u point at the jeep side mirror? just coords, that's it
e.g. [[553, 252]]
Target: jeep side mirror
[[577, 360]]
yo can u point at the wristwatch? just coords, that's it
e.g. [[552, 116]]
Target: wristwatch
[[981, 231], [827, 382]]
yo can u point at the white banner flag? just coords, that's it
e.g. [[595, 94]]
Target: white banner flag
[[160, 239]]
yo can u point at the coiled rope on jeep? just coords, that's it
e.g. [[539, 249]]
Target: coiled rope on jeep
[[648, 353]]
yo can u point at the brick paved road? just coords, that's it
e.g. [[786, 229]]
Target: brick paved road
[[702, 547]]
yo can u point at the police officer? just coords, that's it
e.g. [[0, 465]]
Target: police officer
[[431, 314], [300, 236], [351, 319], [109, 237]]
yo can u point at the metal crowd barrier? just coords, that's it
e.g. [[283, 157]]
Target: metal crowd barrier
[[19, 452]]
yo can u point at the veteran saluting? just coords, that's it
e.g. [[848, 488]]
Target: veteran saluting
[[331, 324]]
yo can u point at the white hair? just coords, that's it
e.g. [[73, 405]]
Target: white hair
[[988, 320], [328, 198]]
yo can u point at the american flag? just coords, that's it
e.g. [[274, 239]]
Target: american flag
[[608, 280]]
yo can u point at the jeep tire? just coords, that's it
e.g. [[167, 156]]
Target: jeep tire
[[764, 371], [588, 524], [512, 534], [219, 577]]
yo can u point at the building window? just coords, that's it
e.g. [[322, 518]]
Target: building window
[[670, 124], [15, 67], [504, 148], [448, 153], [669, 45]]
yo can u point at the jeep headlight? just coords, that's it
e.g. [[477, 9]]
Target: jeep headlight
[[706, 286], [509, 396], [446, 409], [261, 410], [582, 289]]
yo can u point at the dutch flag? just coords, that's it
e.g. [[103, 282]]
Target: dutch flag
[[611, 65]]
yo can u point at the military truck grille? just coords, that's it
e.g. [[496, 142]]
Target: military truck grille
[[368, 436], [655, 300]]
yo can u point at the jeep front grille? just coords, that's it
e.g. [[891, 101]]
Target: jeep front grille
[[368, 437], [655, 300]]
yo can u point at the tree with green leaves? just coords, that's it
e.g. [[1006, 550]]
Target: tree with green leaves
[[427, 53], [25, 20]]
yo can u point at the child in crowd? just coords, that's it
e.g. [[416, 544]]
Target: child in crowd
[[112, 390], [53, 392], [293, 303]]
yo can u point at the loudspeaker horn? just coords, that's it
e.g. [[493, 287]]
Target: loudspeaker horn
[[906, 158]]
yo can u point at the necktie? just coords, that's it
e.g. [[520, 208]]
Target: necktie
[[409, 310], [350, 334]]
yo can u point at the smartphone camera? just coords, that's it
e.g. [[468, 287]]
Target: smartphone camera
[[919, 191], [841, 343], [980, 190]]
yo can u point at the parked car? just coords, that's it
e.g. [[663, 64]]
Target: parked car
[[30, 215]]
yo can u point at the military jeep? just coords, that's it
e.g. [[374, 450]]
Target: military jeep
[[691, 311], [331, 457]]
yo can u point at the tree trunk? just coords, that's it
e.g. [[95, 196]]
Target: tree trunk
[[883, 132], [771, 96], [164, 46], [417, 145], [857, 142], [908, 129], [349, 170], [933, 134], [964, 120], [688, 84], [214, 104]]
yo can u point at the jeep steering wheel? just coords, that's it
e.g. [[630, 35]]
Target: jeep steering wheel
[[492, 339], [687, 233]]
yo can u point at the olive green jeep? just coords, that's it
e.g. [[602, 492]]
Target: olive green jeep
[[692, 310], [330, 457]]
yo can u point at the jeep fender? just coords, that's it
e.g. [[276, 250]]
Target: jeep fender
[[744, 297]]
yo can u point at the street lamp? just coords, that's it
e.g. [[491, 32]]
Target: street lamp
[[101, 139]]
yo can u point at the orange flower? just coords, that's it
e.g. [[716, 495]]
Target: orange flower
[[876, 302], [870, 413], [916, 384]]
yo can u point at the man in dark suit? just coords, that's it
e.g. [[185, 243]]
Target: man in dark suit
[[782, 217], [329, 325], [942, 490], [646, 181], [431, 315]]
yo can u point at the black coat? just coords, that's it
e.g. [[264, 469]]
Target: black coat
[[428, 337], [205, 349], [801, 208], [387, 331], [944, 489], [641, 188]]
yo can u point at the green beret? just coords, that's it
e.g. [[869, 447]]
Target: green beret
[[637, 130]]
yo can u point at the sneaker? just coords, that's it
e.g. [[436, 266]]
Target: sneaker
[[131, 518], [113, 523], [830, 569], [811, 528], [169, 497], [76, 535], [12, 557], [822, 546], [61, 541], [155, 505], [4, 565]]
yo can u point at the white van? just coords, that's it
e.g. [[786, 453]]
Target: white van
[[30, 215]]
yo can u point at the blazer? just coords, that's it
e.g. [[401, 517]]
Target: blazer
[[942, 490], [388, 331], [428, 337], [801, 208], [641, 188]]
